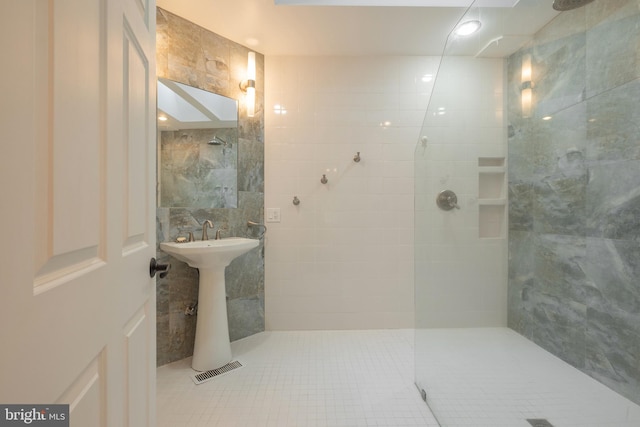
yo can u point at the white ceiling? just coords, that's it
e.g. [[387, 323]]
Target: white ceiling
[[307, 29]]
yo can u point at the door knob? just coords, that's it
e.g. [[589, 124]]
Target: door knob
[[162, 269]]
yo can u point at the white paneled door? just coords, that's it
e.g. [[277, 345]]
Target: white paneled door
[[77, 213]]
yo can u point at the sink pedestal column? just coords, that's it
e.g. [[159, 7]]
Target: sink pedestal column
[[212, 348]]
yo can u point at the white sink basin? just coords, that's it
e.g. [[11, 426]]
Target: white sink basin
[[212, 348], [209, 253]]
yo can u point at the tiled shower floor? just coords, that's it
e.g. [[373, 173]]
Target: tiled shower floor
[[366, 378], [494, 377]]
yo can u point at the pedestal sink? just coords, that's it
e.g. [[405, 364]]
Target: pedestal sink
[[212, 348]]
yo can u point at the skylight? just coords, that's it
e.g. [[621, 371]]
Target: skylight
[[189, 105], [416, 3]]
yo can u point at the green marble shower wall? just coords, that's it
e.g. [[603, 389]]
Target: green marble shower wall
[[574, 193], [192, 55]]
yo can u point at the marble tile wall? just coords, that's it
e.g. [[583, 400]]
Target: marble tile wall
[[192, 55], [194, 173], [574, 193]]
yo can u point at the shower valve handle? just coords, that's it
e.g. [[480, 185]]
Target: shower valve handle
[[447, 200]]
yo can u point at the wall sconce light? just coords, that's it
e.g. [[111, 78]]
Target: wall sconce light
[[249, 85], [526, 86]]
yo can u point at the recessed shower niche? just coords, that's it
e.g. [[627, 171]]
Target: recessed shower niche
[[198, 147], [492, 200]]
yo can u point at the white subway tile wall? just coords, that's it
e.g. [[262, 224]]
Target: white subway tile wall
[[461, 278], [342, 258]]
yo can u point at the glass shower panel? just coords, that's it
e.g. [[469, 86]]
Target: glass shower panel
[[460, 252], [514, 289]]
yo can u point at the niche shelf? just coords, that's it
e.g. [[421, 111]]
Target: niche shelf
[[491, 221], [487, 162], [492, 200]]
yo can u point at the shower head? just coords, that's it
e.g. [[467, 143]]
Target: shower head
[[562, 5], [219, 141]]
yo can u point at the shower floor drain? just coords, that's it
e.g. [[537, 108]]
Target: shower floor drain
[[539, 422], [203, 377]]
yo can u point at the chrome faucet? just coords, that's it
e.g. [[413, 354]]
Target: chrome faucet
[[205, 235]]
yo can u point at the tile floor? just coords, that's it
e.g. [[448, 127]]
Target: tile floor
[[476, 377], [302, 379], [494, 377]]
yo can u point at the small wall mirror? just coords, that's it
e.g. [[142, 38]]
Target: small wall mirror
[[197, 147]]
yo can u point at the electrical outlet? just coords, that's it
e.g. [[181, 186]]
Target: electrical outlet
[[273, 214]]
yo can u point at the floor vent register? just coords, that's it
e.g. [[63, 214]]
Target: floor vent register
[[203, 377]]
